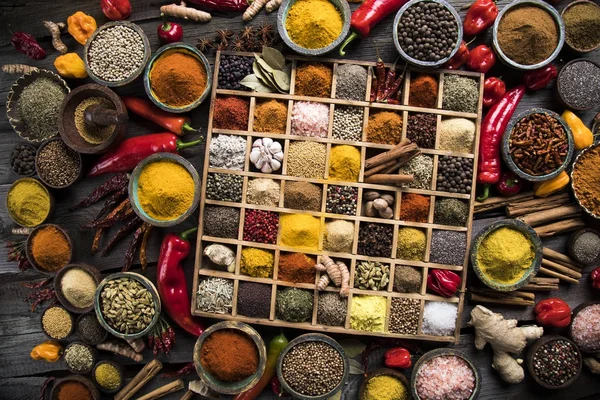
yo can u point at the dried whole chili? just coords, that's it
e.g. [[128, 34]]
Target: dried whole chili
[[540, 78], [99, 231], [221, 5], [26, 44], [391, 90], [114, 199], [380, 71], [398, 357], [493, 90], [16, 252], [130, 253], [480, 16], [143, 248], [132, 224], [374, 84], [115, 183], [187, 369], [553, 312], [481, 59], [443, 282]]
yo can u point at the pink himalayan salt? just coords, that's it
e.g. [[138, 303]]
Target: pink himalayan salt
[[445, 378], [310, 119], [586, 328]]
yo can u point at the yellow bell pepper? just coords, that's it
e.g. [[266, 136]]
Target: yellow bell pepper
[[81, 26], [582, 135], [546, 188], [50, 351], [70, 65]]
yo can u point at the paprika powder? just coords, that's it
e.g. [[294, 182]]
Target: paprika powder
[[414, 207], [73, 390], [423, 91], [229, 355], [231, 113], [178, 79]]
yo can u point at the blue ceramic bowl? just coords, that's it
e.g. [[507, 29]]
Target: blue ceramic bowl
[[172, 48], [509, 160]]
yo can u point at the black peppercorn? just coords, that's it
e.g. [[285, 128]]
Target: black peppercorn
[[232, 70], [22, 159]]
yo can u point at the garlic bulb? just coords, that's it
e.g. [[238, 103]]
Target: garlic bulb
[[266, 155]]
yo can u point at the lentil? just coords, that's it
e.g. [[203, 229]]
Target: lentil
[[296, 268], [384, 127], [22, 159], [368, 313], [556, 362], [445, 377], [121, 294], [421, 129], [224, 187], [107, 376], [313, 80], [302, 196], [439, 318], [306, 159], [57, 164], [407, 279], [79, 358], [414, 207], [270, 116], [404, 315], [451, 212], [371, 275], [582, 25], [332, 309], [231, 113], [586, 247], [312, 368], [455, 174], [411, 243], [39, 107], [375, 240], [341, 200], [215, 295], [457, 134], [421, 167], [221, 221], [254, 300], [261, 226], [263, 192], [228, 152], [232, 69], [423, 91], [310, 119], [351, 82], [448, 247], [116, 53], [258, 263], [57, 322], [460, 94], [339, 236], [78, 286], [294, 305], [89, 329], [347, 123], [585, 328], [579, 84]]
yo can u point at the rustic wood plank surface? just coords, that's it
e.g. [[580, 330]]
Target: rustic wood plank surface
[[21, 377]]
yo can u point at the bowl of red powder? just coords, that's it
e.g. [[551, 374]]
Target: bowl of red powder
[[230, 357], [178, 78], [74, 387]]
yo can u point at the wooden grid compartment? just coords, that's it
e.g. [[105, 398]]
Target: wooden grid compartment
[[204, 270]]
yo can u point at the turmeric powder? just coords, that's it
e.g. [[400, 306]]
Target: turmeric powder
[[344, 163], [299, 230], [257, 262], [313, 24]]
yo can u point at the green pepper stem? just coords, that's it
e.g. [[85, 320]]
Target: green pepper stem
[[486, 193], [184, 235], [187, 128], [183, 145], [350, 38]]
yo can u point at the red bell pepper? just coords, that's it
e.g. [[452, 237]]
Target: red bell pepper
[[169, 32], [130, 152], [481, 59], [221, 5], [172, 284], [493, 90], [443, 282], [540, 78], [509, 184], [481, 15], [398, 357], [116, 10], [175, 123], [460, 58], [595, 278], [493, 127], [553, 312], [367, 15]]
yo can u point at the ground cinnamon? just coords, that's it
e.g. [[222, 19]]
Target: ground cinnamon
[[50, 249], [229, 355], [178, 79]]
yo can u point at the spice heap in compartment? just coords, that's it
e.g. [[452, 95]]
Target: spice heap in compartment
[[343, 206]]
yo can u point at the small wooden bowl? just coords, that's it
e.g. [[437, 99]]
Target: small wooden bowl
[[13, 217], [569, 45], [574, 181], [12, 112], [29, 145], [94, 358], [536, 346], [231, 387], [576, 311], [385, 371], [571, 246], [72, 322], [118, 367], [558, 94], [29, 253], [93, 272], [313, 337], [75, 378], [66, 123], [79, 318], [37, 169]]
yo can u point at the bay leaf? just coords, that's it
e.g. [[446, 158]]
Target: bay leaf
[[282, 80], [263, 64], [356, 368], [352, 347], [252, 82], [266, 76], [337, 396], [274, 58]]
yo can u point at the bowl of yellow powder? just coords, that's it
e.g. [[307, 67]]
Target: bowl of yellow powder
[[29, 202], [506, 255], [164, 189], [313, 27], [385, 383]]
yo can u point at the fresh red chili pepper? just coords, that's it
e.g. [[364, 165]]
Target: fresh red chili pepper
[[277, 389], [481, 59], [398, 357], [493, 127], [169, 32], [460, 58], [172, 284], [116, 10], [481, 15], [553, 312], [175, 123], [26, 44], [367, 15], [443, 282], [131, 151], [221, 5], [493, 90], [595, 277], [540, 78], [509, 184]]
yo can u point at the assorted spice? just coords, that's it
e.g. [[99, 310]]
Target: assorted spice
[[50, 248], [585, 328], [351, 82], [261, 226], [384, 127], [344, 163], [331, 309], [582, 25], [368, 313], [460, 94], [78, 286], [93, 134], [341, 200], [439, 318], [375, 240], [127, 294], [421, 129], [28, 202], [228, 152], [299, 230], [79, 358], [57, 164], [39, 108], [57, 322], [296, 268], [411, 244], [310, 119], [231, 113], [382, 387], [116, 53], [457, 134], [229, 355], [306, 159], [232, 69], [224, 187], [221, 221], [107, 376], [72, 390], [455, 174], [378, 204], [89, 329], [263, 192], [448, 247], [22, 159], [421, 167], [585, 186], [423, 91], [258, 263], [313, 24], [414, 207], [447, 377], [585, 247], [294, 305], [407, 279], [215, 295], [371, 275], [453, 212], [556, 362], [178, 78], [578, 84], [302, 196], [338, 236]]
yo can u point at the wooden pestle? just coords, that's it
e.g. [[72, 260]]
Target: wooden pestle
[[97, 116]]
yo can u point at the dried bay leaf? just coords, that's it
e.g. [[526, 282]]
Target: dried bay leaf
[[251, 81], [263, 76], [352, 347], [282, 80], [356, 367], [263, 64], [274, 58]]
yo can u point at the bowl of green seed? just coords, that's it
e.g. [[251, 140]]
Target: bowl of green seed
[[33, 105]]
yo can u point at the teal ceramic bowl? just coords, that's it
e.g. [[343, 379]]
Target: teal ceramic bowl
[[528, 274], [133, 188], [174, 48]]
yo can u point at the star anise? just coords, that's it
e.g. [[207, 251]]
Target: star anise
[[204, 44], [251, 44], [223, 35], [265, 30], [238, 44], [248, 32], [222, 46]]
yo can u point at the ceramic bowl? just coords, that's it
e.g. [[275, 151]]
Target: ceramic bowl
[[420, 63], [93, 272], [136, 73], [508, 158], [84, 340], [342, 7], [536, 3], [29, 242], [31, 147], [133, 188], [75, 378], [313, 337], [581, 346], [37, 169], [444, 352], [12, 216], [174, 48], [12, 112], [230, 388], [574, 180], [570, 246], [569, 45], [66, 124], [118, 367], [148, 285], [387, 372], [531, 271], [70, 317], [94, 358], [534, 349], [558, 93]]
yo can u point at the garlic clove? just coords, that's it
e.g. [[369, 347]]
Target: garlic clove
[[275, 164], [267, 142], [260, 162], [266, 168], [254, 155], [278, 156], [275, 147], [257, 143]]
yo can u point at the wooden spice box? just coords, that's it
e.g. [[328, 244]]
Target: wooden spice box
[[204, 270]]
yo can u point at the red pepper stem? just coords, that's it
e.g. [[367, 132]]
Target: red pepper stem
[[184, 235], [350, 38], [184, 145], [485, 194]]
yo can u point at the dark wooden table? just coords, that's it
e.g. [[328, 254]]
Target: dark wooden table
[[21, 377]]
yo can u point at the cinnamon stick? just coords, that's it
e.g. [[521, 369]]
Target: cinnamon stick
[[390, 179], [554, 228], [164, 390], [559, 268], [515, 209], [558, 275], [507, 300], [494, 293], [402, 161], [492, 203], [562, 259], [187, 395], [402, 148], [380, 168], [553, 214], [146, 374], [539, 284]]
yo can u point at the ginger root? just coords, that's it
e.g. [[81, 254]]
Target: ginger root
[[345, 290], [253, 9], [505, 338], [323, 282], [54, 30], [121, 349], [182, 11], [18, 69], [333, 270], [273, 5]]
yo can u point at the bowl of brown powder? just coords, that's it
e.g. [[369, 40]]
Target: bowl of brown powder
[[582, 26], [49, 248], [528, 34], [584, 180]]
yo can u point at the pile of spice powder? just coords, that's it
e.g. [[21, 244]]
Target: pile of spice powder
[[582, 25], [310, 119], [338, 236], [351, 82], [457, 134], [404, 315], [270, 116], [313, 80], [178, 78], [79, 358], [414, 207], [78, 286], [57, 322], [229, 355], [228, 152], [50, 249], [331, 309], [421, 129], [254, 299], [296, 268], [384, 127], [556, 363], [344, 163], [28, 202], [300, 230], [451, 212], [421, 167], [341, 200], [448, 247], [97, 134], [306, 159], [221, 221], [384, 387], [73, 390], [294, 305], [57, 164], [347, 123], [585, 328], [258, 263], [375, 240], [445, 377], [107, 376], [368, 313], [224, 187], [423, 91], [215, 295], [263, 192], [302, 196], [261, 226], [39, 107], [115, 53], [439, 318], [313, 24], [460, 94], [585, 247], [579, 84], [407, 279], [89, 329], [411, 243], [232, 69], [585, 185], [231, 113]]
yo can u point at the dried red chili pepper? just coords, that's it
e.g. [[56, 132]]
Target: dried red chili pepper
[[390, 91], [460, 58], [509, 184], [276, 387], [221, 5], [116, 10], [553, 312], [540, 78], [26, 44], [130, 253], [113, 200], [595, 278], [493, 90], [374, 84], [380, 71], [132, 224], [398, 357], [187, 369], [481, 15], [115, 183], [481, 59], [443, 282]]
